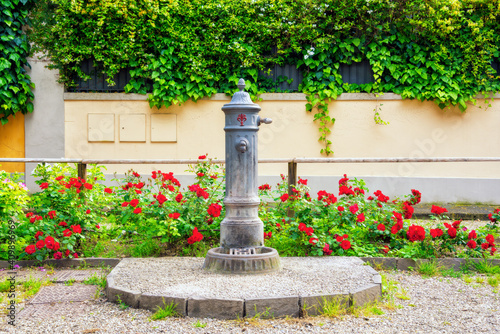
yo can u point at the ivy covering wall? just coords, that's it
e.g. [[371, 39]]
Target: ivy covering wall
[[440, 50], [15, 83]]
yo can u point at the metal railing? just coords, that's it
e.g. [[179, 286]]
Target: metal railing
[[292, 162]]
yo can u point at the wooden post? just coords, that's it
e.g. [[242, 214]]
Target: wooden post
[[292, 182], [82, 171]]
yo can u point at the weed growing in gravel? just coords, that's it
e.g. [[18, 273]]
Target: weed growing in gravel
[[484, 267], [4, 285], [494, 280], [428, 268], [70, 282], [467, 279], [168, 310], [199, 324], [31, 286], [95, 279], [479, 279], [450, 272], [333, 308], [121, 304]]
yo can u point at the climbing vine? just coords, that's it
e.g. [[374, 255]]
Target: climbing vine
[[175, 50], [15, 83]]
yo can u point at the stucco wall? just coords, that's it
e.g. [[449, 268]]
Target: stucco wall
[[416, 129], [44, 127]]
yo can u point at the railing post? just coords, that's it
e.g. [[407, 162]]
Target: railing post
[[292, 182], [82, 170]]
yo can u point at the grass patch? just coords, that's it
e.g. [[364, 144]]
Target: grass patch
[[484, 267], [199, 324], [429, 268], [165, 312], [95, 279]]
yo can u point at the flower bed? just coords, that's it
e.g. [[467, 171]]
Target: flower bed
[[70, 213]]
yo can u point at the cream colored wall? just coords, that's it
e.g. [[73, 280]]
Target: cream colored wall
[[416, 129]]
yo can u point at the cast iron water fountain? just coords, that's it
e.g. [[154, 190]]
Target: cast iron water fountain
[[242, 248]]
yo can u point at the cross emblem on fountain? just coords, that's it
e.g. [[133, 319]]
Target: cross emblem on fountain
[[241, 118]]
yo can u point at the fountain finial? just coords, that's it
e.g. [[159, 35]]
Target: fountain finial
[[241, 84]]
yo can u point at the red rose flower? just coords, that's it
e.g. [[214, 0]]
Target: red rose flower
[[197, 236], [88, 211], [97, 226], [52, 214], [485, 245], [343, 181], [171, 188], [302, 227], [174, 215], [59, 178], [313, 241], [353, 208], [33, 219], [437, 210], [415, 233], [490, 239], [67, 233], [161, 198], [88, 186], [452, 232], [75, 255], [284, 197], [339, 238], [137, 210], [268, 235], [50, 242], [381, 227], [108, 191], [436, 232], [416, 196], [321, 194], [202, 157], [30, 249], [472, 235], [345, 244], [214, 210], [58, 255], [492, 251], [326, 249], [265, 187], [56, 246], [344, 190], [63, 224], [471, 244], [38, 234], [360, 218], [456, 224], [309, 231], [302, 181], [44, 185], [76, 228], [340, 208], [134, 202], [29, 214], [200, 174], [124, 204], [178, 198], [385, 249], [408, 210]]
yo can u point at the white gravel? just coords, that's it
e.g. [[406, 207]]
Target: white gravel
[[300, 276], [435, 305]]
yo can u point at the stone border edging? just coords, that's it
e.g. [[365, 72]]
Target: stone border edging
[[405, 264], [265, 307], [86, 261]]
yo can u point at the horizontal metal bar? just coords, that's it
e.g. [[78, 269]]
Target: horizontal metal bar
[[391, 160], [277, 160]]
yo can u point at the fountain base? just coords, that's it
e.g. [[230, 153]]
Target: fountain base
[[257, 260]]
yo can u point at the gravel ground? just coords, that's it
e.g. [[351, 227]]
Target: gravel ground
[[428, 305], [298, 277]]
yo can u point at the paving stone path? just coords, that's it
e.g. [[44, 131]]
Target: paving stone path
[[67, 294]]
